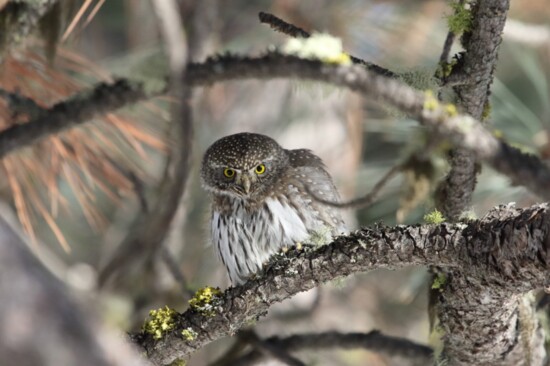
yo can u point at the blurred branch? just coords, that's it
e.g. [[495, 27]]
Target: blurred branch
[[150, 229], [507, 252], [531, 34], [461, 130], [296, 32], [103, 98], [374, 341], [19, 19], [41, 324], [268, 349]]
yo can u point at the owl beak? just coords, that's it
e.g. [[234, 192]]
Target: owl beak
[[245, 182]]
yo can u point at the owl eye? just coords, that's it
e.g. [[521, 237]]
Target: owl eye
[[260, 169], [229, 173]]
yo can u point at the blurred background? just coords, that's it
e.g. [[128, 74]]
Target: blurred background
[[75, 193]]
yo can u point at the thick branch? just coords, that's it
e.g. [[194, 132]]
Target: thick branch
[[508, 250]]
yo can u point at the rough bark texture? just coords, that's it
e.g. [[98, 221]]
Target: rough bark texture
[[478, 63], [481, 322], [508, 252]]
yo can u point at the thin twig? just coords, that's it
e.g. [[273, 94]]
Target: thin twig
[[365, 201], [291, 30]]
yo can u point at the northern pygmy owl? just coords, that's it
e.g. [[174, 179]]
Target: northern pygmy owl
[[261, 201]]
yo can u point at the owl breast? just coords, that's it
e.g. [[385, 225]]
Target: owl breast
[[246, 238]]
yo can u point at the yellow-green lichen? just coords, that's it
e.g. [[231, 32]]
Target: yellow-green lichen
[[188, 334], [435, 217], [444, 69], [439, 281], [430, 102], [461, 20], [178, 362], [450, 110], [160, 321], [320, 46], [487, 108], [205, 300]]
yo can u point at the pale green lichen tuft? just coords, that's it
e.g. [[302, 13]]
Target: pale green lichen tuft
[[435, 217], [205, 300], [160, 321], [487, 109], [439, 281], [178, 362], [430, 102], [450, 110], [461, 20], [444, 69], [320, 46], [189, 334]]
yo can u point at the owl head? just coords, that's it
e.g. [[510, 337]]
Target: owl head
[[243, 165]]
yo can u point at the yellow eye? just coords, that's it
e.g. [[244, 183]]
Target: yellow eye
[[229, 173], [260, 169]]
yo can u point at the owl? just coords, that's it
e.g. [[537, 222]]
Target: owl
[[261, 201]]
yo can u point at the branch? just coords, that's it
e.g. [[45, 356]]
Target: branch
[[150, 229], [373, 341], [103, 98], [296, 32], [19, 19], [508, 250], [461, 130], [478, 63]]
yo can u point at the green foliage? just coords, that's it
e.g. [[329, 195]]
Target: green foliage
[[435, 217], [461, 20], [160, 321]]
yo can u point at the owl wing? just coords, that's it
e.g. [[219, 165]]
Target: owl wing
[[309, 169]]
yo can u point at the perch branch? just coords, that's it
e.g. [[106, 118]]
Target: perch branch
[[513, 266]]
